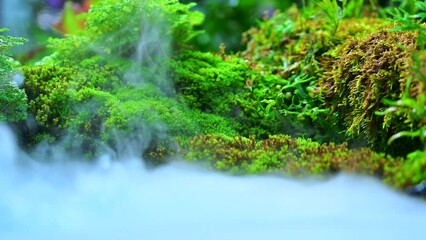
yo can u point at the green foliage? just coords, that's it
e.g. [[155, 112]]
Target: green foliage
[[218, 86], [51, 89], [239, 16], [298, 50], [410, 104], [121, 29], [332, 11], [410, 20], [290, 43], [262, 103], [13, 101], [353, 8], [283, 154], [13, 107], [300, 75], [8, 42]]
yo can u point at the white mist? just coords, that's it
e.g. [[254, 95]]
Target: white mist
[[123, 200]]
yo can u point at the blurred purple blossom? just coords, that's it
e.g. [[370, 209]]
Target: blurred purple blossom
[[56, 4]]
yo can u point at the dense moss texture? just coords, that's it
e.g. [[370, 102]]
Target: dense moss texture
[[263, 103], [369, 70], [225, 86], [283, 154]]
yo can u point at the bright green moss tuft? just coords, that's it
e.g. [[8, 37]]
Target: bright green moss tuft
[[48, 91]]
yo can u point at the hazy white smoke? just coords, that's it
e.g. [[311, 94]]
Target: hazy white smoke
[[67, 200]]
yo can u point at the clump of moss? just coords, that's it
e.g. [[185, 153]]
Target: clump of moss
[[48, 94], [412, 171], [221, 85], [369, 70], [53, 93], [281, 153], [208, 82], [109, 79]]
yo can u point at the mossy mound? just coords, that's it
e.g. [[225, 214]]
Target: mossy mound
[[283, 154], [93, 109]]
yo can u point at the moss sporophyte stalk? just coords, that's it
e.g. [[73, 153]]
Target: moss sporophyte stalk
[[332, 86]]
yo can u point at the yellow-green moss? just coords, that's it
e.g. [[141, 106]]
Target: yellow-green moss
[[281, 153], [368, 70]]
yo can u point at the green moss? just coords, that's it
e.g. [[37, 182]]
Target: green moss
[[283, 154], [131, 111], [267, 109], [262, 103], [208, 82], [299, 50], [369, 70], [411, 172], [93, 108], [48, 94]]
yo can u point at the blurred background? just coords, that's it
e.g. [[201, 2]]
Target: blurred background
[[225, 20]]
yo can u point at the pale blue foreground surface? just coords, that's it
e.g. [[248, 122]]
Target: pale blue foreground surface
[[123, 200]]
